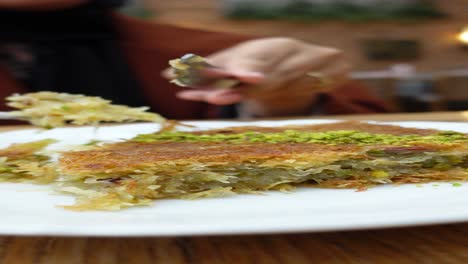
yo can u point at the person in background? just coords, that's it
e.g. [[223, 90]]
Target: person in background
[[81, 46]]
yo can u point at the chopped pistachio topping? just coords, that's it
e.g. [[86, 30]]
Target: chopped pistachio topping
[[293, 136], [379, 174]]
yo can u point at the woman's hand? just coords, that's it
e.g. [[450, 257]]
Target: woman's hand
[[274, 76]]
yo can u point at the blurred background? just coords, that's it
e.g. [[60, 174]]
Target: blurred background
[[411, 53]]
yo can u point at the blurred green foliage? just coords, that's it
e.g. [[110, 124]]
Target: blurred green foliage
[[302, 10], [138, 12]]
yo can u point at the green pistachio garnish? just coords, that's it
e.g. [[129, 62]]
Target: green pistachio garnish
[[293, 136]]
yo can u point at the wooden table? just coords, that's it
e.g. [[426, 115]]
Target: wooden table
[[430, 244]]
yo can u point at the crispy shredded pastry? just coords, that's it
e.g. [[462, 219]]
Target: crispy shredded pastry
[[188, 71], [24, 162], [254, 159], [50, 109], [214, 163]]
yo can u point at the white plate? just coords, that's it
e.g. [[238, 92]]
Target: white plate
[[31, 209]]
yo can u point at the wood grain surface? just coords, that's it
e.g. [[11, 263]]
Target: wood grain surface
[[429, 244], [434, 244]]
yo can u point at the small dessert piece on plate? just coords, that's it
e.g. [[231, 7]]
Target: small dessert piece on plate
[[50, 109], [252, 159], [24, 162]]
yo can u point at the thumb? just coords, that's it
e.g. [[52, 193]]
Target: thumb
[[248, 70], [244, 75]]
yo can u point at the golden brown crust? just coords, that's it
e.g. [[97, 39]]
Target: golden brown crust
[[24, 150], [135, 154], [128, 156], [132, 173]]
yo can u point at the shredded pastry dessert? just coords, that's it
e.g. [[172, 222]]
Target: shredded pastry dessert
[[50, 109], [219, 162], [253, 159]]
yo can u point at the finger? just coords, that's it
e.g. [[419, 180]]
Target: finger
[[247, 66], [220, 97], [257, 52], [243, 76], [192, 95], [223, 97], [249, 77], [241, 66], [296, 66], [304, 86], [248, 71], [168, 73]]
